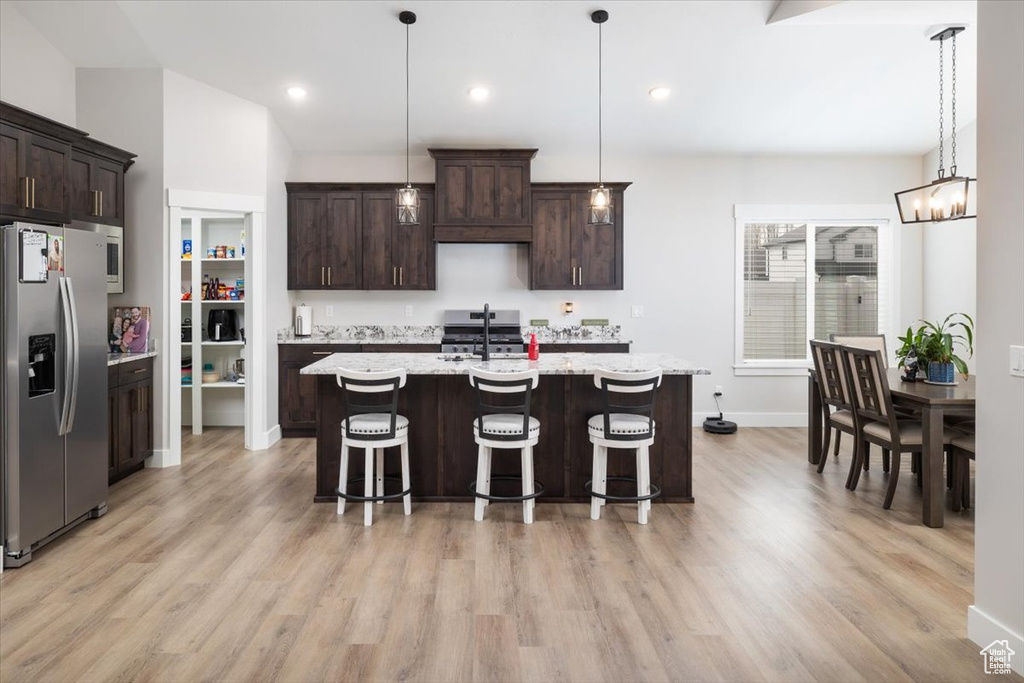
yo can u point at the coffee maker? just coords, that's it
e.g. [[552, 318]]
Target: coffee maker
[[222, 325]]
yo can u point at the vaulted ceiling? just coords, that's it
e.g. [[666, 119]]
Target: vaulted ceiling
[[848, 77]]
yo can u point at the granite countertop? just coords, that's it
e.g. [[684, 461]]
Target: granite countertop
[[549, 364], [118, 358], [431, 334]]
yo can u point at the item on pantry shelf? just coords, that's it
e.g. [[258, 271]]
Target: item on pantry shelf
[[209, 374], [230, 251], [186, 372], [242, 240], [186, 249], [186, 330], [220, 251], [534, 350], [211, 252]]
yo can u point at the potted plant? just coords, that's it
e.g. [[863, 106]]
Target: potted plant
[[909, 354], [936, 344]]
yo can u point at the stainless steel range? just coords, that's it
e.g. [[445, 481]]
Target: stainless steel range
[[464, 332]]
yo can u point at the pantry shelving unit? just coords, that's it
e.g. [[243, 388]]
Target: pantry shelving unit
[[223, 402]]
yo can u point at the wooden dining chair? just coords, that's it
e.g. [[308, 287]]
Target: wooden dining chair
[[834, 391], [872, 404]]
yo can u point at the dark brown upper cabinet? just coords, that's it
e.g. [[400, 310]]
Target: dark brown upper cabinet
[[325, 240], [567, 252], [346, 236], [51, 173], [97, 182], [397, 256], [483, 195]]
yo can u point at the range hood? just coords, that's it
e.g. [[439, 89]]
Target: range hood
[[483, 195]]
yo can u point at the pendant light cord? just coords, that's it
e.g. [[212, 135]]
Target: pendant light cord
[[952, 168], [942, 88], [600, 105], [407, 183]]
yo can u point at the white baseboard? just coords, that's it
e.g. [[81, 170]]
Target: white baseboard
[[984, 630], [758, 419], [163, 458], [263, 441]]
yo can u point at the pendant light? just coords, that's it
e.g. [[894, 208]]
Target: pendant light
[[947, 198], [407, 199], [600, 212]]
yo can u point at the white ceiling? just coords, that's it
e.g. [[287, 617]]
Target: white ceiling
[[853, 77]]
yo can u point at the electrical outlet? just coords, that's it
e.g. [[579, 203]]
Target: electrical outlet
[[408, 311], [329, 311], [636, 311], [718, 389]]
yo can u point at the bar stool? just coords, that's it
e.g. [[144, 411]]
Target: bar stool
[[623, 426], [373, 427], [504, 426]]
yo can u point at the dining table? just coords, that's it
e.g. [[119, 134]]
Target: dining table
[[933, 402]]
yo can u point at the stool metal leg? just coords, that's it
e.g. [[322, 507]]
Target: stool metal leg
[[527, 457], [600, 466], [482, 478], [368, 488], [380, 474], [343, 476], [407, 498]]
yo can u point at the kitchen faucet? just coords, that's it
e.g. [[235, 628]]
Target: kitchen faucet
[[486, 355]]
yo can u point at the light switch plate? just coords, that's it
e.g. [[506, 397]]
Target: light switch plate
[[329, 311], [636, 311], [408, 311], [1017, 361]]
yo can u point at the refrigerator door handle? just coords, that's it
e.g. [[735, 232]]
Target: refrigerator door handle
[[74, 372], [69, 361]]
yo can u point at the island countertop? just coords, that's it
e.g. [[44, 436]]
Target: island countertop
[[548, 364]]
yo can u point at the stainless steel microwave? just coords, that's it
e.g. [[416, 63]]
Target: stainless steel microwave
[[114, 254]]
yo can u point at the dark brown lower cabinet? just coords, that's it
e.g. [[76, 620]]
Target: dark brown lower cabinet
[[130, 405]]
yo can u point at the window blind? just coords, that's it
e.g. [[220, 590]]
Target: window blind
[[775, 291]]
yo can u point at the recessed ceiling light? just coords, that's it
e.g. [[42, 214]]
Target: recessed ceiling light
[[479, 93], [296, 93], [660, 92]]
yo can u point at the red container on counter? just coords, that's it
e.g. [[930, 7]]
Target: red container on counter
[[534, 349]]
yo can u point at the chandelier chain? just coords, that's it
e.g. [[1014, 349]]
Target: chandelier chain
[[407, 184], [952, 167], [942, 87]]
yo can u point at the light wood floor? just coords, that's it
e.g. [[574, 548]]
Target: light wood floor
[[224, 569]]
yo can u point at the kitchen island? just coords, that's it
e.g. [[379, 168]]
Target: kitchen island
[[438, 400]]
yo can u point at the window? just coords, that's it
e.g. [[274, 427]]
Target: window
[[801, 280]]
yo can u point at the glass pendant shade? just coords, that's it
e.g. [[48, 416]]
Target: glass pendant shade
[[407, 200], [945, 199], [600, 206]]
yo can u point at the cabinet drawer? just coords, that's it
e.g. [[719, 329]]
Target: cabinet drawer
[[311, 353], [112, 376], [401, 348], [134, 371]]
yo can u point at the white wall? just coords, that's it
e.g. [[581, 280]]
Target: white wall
[[998, 610], [34, 74], [949, 249], [279, 159], [136, 124], [680, 269]]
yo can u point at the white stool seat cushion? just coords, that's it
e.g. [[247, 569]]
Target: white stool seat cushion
[[376, 424], [624, 424], [505, 424], [910, 432]]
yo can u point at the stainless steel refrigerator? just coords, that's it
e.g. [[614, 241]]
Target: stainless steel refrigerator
[[54, 427]]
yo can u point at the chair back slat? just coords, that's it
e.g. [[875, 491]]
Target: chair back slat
[[872, 342], [870, 387], [832, 380], [640, 386], [487, 382], [355, 384]]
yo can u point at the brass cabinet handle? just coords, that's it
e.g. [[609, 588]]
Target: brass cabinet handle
[[574, 276], [26, 199], [95, 202], [322, 271], [394, 276], [328, 276], [401, 276], [33, 193], [101, 202], [581, 276], [135, 372], [322, 353]]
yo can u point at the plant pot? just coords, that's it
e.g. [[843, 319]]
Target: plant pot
[[940, 372]]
